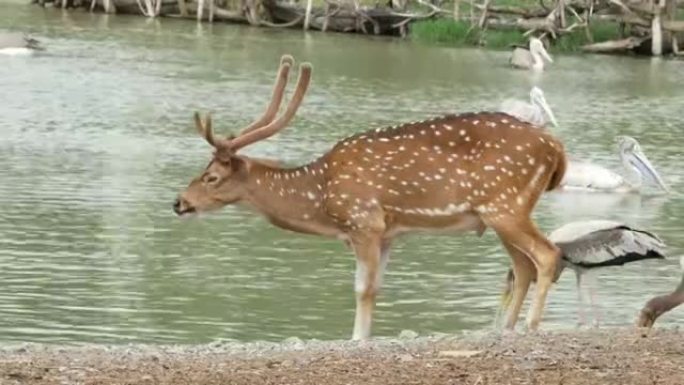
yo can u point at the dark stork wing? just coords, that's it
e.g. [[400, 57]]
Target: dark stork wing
[[611, 246]]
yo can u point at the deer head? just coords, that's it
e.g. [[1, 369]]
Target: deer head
[[223, 180]]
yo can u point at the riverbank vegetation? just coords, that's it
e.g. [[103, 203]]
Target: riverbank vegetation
[[608, 26], [460, 33]]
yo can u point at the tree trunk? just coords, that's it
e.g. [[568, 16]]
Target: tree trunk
[[200, 10], [212, 3], [182, 8], [307, 14], [457, 9], [657, 29], [109, 6]]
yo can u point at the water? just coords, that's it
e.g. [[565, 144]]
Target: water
[[97, 139]]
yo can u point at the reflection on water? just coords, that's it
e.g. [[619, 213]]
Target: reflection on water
[[96, 140]]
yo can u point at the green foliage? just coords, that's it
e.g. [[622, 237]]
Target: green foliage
[[502, 39], [601, 31], [460, 33], [443, 31]]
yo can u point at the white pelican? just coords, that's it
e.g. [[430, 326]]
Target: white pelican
[[532, 58], [656, 306], [18, 44], [537, 111], [588, 245], [590, 177]]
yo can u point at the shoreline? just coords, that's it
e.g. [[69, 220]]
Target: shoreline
[[491, 27], [596, 356]]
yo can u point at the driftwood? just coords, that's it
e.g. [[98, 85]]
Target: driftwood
[[379, 21], [613, 46], [650, 21]]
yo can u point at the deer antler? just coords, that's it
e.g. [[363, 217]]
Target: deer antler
[[280, 123], [205, 130], [286, 62]]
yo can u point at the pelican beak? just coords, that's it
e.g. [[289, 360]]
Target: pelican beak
[[547, 109], [640, 162], [545, 54]]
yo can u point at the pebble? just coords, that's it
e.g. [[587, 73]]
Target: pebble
[[408, 335]]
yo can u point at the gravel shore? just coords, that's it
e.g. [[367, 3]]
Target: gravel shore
[[620, 356]]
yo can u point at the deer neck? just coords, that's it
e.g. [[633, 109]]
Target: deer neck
[[290, 198]]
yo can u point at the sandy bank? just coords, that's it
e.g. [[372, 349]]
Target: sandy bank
[[610, 356]]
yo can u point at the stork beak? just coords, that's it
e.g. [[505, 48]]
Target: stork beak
[[640, 162], [547, 109]]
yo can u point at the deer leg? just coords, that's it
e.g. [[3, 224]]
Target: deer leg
[[523, 271], [522, 237], [546, 258], [369, 269]]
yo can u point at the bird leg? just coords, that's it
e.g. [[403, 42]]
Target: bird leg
[[594, 307], [581, 318]]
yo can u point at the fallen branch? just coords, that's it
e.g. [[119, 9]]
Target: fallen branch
[[483, 16], [509, 10], [615, 45]]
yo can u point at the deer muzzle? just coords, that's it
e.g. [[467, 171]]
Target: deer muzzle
[[182, 207]]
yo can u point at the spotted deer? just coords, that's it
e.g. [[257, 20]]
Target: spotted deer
[[457, 173]]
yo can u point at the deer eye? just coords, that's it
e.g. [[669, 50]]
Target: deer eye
[[211, 178]]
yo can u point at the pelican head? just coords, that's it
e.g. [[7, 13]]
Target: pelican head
[[634, 159], [537, 98], [538, 53]]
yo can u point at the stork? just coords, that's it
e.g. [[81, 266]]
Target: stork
[[593, 244]]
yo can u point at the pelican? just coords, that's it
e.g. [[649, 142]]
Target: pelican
[[18, 44], [532, 58], [589, 245], [590, 177], [661, 304], [537, 111]]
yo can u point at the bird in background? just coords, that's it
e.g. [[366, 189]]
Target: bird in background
[[531, 58], [16, 43], [639, 172], [537, 111]]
